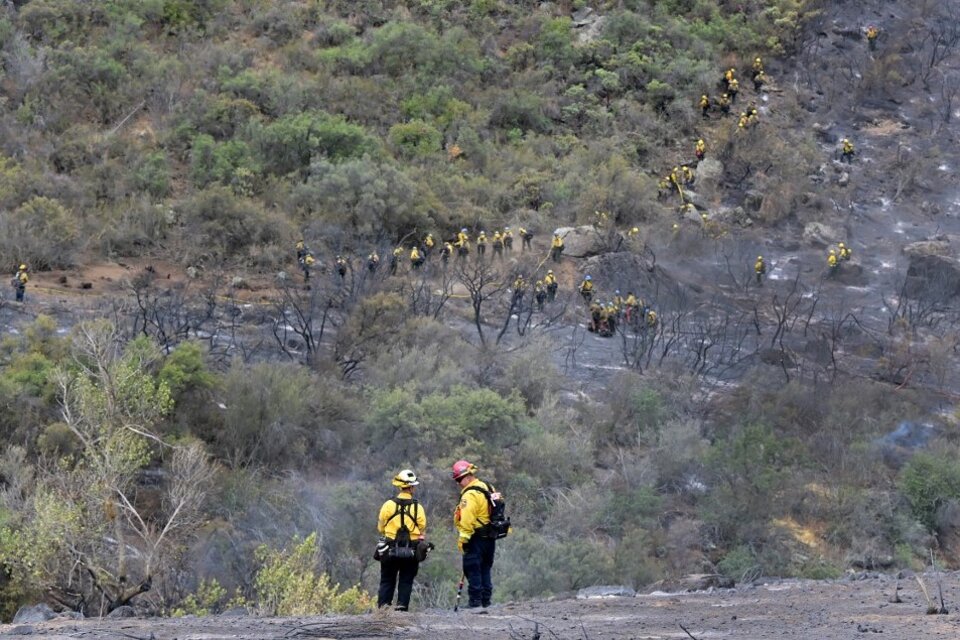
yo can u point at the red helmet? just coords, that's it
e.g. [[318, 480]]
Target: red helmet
[[462, 468]]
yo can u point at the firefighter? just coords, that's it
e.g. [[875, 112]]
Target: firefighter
[[526, 238], [373, 262], [586, 289], [844, 252], [416, 258], [341, 266], [556, 247], [539, 294], [395, 260], [832, 262], [872, 34], [428, 244], [729, 76], [757, 67], [481, 245], [596, 315], [687, 175], [631, 305], [846, 151], [733, 89], [20, 280], [705, 106], [402, 524], [700, 150], [760, 269], [519, 286], [306, 265], [477, 500], [724, 104], [445, 253], [497, 245], [507, 239], [758, 81], [550, 282]]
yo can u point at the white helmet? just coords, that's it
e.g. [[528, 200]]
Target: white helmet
[[405, 479]]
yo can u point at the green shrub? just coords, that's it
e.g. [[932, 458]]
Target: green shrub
[[290, 584], [928, 481], [292, 142], [41, 233], [415, 139], [153, 175], [217, 219]]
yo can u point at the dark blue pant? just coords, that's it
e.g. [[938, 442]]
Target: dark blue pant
[[477, 563], [397, 574], [20, 292]]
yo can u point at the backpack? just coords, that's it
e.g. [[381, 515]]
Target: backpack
[[403, 546], [499, 525]]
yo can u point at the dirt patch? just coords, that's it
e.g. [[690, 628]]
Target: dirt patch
[[779, 609]]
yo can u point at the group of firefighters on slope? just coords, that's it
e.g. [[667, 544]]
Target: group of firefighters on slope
[[604, 318], [402, 525]]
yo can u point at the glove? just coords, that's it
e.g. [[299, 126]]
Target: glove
[[460, 542]]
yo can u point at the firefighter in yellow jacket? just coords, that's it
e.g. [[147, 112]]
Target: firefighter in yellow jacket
[[471, 517], [403, 527]]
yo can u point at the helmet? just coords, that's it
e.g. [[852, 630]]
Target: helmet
[[758, 58], [617, 292], [759, 257], [462, 468], [550, 272], [506, 228], [464, 230], [635, 229], [840, 245], [588, 278], [833, 251], [405, 478], [23, 267]]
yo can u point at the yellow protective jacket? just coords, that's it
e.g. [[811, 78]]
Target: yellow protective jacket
[[549, 279], [428, 242], [22, 277], [414, 254], [585, 286], [557, 242], [760, 267], [472, 512], [388, 525]]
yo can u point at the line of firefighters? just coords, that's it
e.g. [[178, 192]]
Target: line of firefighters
[[501, 242]]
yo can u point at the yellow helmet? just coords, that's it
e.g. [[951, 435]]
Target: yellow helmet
[[405, 479], [840, 245], [635, 230], [759, 257], [23, 267], [833, 251], [758, 59]]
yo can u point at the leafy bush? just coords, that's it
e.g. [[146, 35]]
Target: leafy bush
[[217, 218], [291, 143], [928, 481], [289, 584], [415, 139], [41, 233]]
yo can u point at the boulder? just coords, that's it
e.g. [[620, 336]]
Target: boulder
[[589, 593], [934, 269], [586, 241], [851, 274], [844, 179], [34, 614], [21, 630], [126, 611], [708, 173], [820, 235], [695, 199], [624, 271], [695, 582]]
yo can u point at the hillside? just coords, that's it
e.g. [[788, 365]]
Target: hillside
[[190, 426]]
